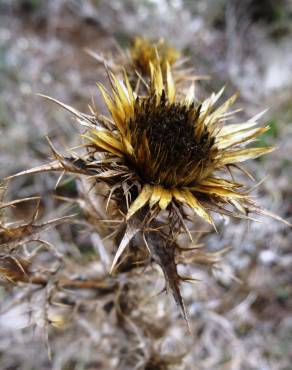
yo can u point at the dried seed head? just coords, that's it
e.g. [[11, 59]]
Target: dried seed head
[[171, 144], [159, 53]]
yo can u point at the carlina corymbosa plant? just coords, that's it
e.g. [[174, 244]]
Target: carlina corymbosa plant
[[165, 160]]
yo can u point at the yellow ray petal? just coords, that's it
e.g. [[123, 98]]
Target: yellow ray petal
[[219, 191], [190, 96], [128, 146], [216, 115], [118, 116], [208, 103], [217, 182], [179, 195], [140, 201], [244, 154], [119, 106], [156, 195], [156, 78], [165, 198], [185, 196], [123, 96], [106, 97], [197, 207], [231, 129], [130, 90], [240, 137], [108, 138], [170, 84], [110, 145]]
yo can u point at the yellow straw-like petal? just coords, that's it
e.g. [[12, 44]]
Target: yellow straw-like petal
[[208, 103], [106, 142], [130, 90], [221, 192], [236, 127], [170, 84], [197, 207], [240, 137], [190, 96], [242, 155], [185, 196], [118, 116], [232, 129], [128, 146], [217, 182], [108, 138], [156, 78], [140, 201], [179, 195], [216, 115], [123, 97], [156, 195], [165, 198]]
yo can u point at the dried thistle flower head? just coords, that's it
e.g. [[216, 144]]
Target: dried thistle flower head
[[163, 151], [143, 52], [172, 151]]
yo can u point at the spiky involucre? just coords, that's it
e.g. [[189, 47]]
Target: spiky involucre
[[173, 151]]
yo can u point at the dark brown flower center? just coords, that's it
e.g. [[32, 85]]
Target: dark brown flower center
[[168, 129]]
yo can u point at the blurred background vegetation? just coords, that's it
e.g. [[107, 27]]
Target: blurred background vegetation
[[245, 44]]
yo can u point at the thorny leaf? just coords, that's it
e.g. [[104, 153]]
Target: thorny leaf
[[163, 253], [131, 230], [12, 236], [16, 201], [14, 269], [70, 165]]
